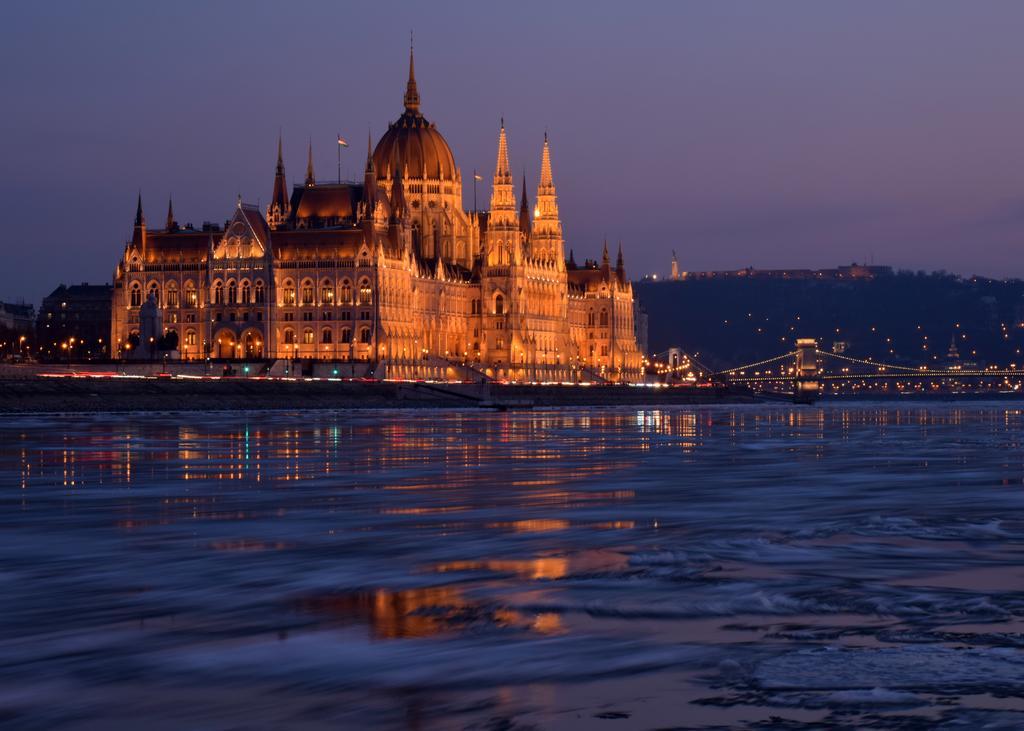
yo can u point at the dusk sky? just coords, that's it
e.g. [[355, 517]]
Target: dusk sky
[[766, 134]]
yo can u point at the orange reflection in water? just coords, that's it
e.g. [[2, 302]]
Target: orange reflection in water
[[421, 612]]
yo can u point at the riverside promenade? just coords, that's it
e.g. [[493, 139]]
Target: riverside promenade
[[66, 389]]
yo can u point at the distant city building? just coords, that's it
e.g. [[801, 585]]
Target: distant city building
[[17, 317], [391, 272], [74, 322]]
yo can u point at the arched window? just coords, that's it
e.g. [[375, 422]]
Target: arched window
[[346, 292], [326, 293], [307, 293], [326, 337], [218, 293], [364, 335], [172, 294], [261, 294], [365, 293], [346, 335], [590, 319], [246, 292], [191, 298], [307, 336], [232, 292], [288, 292], [190, 338], [136, 295], [499, 304], [289, 337], [154, 289], [604, 318]]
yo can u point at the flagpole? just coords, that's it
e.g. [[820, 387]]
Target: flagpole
[[474, 190], [339, 158]]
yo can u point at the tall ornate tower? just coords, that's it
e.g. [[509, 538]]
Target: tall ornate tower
[[502, 221], [546, 241]]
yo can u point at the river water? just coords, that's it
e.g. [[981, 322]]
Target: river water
[[848, 566]]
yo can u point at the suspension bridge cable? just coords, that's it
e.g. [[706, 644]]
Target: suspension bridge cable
[[756, 365], [875, 364]]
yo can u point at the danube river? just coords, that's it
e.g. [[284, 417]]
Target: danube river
[[847, 566]]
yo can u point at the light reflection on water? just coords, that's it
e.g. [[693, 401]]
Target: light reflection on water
[[616, 561]]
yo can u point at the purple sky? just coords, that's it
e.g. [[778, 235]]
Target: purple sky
[[771, 134]]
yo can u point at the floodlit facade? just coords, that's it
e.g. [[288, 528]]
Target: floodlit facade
[[390, 276]]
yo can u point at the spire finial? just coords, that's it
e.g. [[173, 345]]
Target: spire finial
[[369, 151], [412, 96], [502, 168], [310, 178], [546, 178], [170, 214], [140, 220]]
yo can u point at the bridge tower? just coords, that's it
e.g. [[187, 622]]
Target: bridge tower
[[806, 386]]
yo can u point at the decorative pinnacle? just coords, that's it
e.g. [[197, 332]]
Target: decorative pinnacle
[[502, 168], [412, 96]]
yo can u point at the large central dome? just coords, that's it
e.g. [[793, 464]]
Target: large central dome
[[414, 143]]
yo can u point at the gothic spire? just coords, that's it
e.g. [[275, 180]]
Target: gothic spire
[[140, 220], [546, 179], [620, 266], [310, 178], [605, 261], [524, 211], [502, 168], [279, 197], [139, 231], [412, 96], [503, 195], [171, 225], [369, 153]]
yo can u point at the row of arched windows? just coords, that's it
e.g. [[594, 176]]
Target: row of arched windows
[[308, 294], [171, 294], [244, 292]]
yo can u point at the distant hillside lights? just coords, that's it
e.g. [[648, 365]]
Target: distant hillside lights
[[390, 277], [853, 271]]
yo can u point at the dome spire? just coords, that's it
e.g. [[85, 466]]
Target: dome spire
[[412, 96]]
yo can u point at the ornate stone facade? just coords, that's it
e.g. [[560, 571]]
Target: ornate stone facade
[[391, 276]]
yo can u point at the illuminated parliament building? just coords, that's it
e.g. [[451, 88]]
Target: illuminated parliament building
[[390, 276]]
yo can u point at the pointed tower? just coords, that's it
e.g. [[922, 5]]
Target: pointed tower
[[370, 180], [310, 178], [675, 265], [172, 225], [620, 266], [524, 213], [606, 263], [502, 222], [139, 231], [547, 242], [412, 95], [280, 207]]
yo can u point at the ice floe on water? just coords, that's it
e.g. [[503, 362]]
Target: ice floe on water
[[850, 566]]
